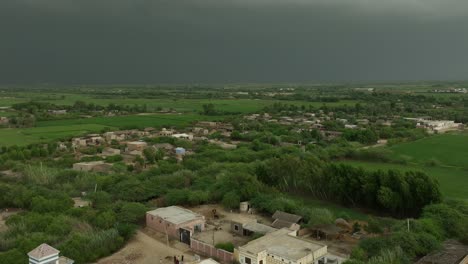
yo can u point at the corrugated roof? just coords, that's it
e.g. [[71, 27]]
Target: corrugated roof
[[281, 224], [287, 217], [43, 251]]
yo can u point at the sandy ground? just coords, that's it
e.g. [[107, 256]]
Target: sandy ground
[[144, 248], [4, 214], [219, 229]]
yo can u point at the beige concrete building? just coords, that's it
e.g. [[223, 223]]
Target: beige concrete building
[[110, 152], [282, 247], [95, 166], [136, 145], [176, 222]]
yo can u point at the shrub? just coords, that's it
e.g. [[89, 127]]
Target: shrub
[[228, 246]]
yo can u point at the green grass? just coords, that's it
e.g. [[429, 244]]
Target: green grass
[[182, 105], [139, 121], [27, 136], [56, 129], [337, 210], [453, 181], [448, 149]]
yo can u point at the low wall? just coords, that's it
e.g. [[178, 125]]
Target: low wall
[[211, 251]]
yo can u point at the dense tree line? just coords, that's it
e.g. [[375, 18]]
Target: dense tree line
[[401, 194]]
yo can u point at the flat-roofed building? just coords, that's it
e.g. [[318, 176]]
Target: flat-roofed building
[[281, 247], [96, 166], [176, 222], [136, 145]]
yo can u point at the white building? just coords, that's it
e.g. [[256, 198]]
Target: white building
[[282, 247], [183, 136], [45, 254]]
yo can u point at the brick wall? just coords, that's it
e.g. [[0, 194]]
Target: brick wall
[[210, 251]]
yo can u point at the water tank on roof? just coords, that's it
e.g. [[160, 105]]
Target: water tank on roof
[[180, 151]]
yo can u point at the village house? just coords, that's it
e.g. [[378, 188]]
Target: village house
[[45, 254], [94, 139], [166, 132], [106, 152], [200, 131], [166, 147], [282, 247], [94, 166], [251, 227], [57, 112], [4, 120], [183, 136], [109, 136], [223, 145], [136, 145], [362, 122], [350, 126], [286, 220], [176, 222]]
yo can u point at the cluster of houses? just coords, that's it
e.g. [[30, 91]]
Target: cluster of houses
[[129, 144], [314, 121], [279, 242], [451, 90], [436, 126]]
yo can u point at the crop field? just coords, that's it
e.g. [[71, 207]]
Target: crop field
[[24, 136], [181, 105], [446, 149], [56, 129], [133, 121], [453, 181]]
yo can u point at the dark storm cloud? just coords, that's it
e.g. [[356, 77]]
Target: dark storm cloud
[[154, 41]]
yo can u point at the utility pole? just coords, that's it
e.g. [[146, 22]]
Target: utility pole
[[407, 221]]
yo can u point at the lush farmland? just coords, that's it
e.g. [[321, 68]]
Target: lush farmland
[[56, 129], [26, 136], [446, 149], [133, 121], [181, 105]]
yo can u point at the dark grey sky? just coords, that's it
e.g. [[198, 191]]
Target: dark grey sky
[[160, 41]]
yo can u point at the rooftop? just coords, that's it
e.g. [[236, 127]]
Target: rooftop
[[175, 214], [286, 217], [452, 252], [98, 162], [43, 251], [258, 228], [209, 261], [280, 243]]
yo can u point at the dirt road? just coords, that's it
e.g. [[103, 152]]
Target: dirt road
[[144, 249]]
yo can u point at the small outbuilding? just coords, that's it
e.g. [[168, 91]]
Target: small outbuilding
[[286, 220], [45, 254]]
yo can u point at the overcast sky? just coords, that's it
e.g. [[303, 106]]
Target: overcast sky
[[206, 41]]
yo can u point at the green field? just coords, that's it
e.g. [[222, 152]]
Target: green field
[[26, 136], [51, 130], [453, 181], [138, 121], [181, 105], [447, 149]]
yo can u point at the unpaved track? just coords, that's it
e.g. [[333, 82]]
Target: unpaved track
[[143, 249]]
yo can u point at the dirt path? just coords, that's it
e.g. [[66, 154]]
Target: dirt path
[[144, 249]]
